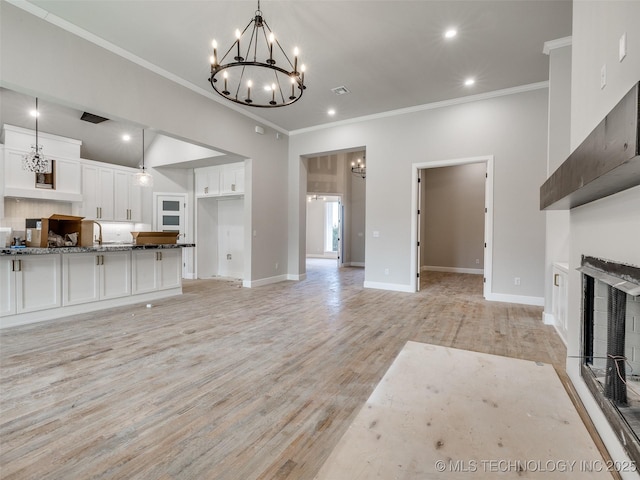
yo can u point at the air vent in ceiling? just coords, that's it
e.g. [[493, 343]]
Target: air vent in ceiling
[[340, 90], [91, 118]]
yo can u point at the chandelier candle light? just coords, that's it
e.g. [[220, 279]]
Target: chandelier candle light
[[35, 161], [261, 66]]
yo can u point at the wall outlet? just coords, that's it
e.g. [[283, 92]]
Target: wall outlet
[[386, 271], [477, 261], [276, 266], [516, 280]]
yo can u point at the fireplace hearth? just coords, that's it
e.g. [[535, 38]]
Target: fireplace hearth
[[611, 344]]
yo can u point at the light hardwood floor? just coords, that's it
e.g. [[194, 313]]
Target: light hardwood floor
[[231, 383]]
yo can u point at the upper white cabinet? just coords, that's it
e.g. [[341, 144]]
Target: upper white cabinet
[[127, 198], [63, 184], [109, 193], [220, 180]]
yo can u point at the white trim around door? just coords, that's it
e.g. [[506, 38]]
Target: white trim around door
[[488, 217]]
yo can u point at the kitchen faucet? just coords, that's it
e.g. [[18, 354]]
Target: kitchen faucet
[[99, 234]]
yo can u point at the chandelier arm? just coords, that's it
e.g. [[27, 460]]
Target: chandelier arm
[[275, 74], [240, 81], [279, 46], [251, 42]]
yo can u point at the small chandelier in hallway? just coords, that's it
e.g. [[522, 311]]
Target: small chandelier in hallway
[[359, 168]]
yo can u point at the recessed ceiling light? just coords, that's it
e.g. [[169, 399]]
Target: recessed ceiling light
[[331, 112], [126, 137], [469, 81], [450, 33]]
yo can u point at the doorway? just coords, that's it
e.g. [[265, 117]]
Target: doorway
[[330, 176], [324, 226], [457, 236]]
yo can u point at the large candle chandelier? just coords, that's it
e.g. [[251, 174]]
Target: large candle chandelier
[[359, 168], [35, 161], [258, 72]]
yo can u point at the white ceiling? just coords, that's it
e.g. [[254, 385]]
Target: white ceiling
[[389, 54]]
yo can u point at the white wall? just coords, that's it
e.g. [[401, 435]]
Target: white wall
[[608, 228], [557, 221], [513, 128], [82, 75]]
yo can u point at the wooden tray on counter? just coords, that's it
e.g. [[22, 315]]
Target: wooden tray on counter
[[155, 238]]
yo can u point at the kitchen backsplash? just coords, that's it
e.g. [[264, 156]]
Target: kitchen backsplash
[[17, 210]]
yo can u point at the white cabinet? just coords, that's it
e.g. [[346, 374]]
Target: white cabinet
[[97, 192], [109, 194], [29, 283], [232, 179], [207, 181], [220, 180], [22, 183], [127, 197], [156, 270], [89, 277]]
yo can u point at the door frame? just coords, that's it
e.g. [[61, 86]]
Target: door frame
[[488, 217]]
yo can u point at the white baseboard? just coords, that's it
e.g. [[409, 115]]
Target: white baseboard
[[547, 319], [395, 287], [356, 264], [61, 312], [473, 271], [297, 278], [264, 281], [503, 297], [326, 256]]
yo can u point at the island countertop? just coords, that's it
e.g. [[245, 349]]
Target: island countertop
[[110, 247]]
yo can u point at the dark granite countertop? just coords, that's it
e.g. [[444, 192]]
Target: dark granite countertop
[[112, 247]]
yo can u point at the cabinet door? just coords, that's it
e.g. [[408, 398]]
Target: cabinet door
[[80, 278], [202, 182], [121, 196], [115, 275], [144, 276], [135, 200], [15, 176], [90, 193], [106, 187], [67, 176], [7, 286], [38, 283], [170, 268]]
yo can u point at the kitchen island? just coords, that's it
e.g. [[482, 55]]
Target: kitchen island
[[39, 284]]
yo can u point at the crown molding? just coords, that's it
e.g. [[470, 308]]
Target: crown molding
[[101, 42], [428, 106], [557, 43]]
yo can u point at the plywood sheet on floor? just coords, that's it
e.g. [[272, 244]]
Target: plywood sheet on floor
[[441, 412]]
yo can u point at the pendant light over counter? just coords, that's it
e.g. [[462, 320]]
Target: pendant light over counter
[[143, 178], [35, 161]]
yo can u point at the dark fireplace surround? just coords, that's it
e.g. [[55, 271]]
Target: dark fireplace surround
[[607, 162]]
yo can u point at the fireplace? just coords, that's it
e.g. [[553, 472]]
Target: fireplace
[[611, 344]]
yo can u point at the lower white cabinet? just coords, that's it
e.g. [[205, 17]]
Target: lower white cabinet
[[156, 270], [90, 277], [29, 283]]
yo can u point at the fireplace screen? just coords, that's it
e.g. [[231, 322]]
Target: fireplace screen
[[611, 344]]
